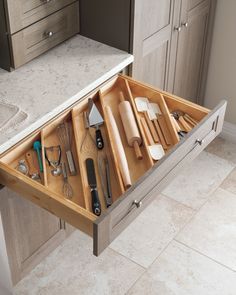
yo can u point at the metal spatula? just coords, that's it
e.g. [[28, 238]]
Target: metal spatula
[[95, 120]]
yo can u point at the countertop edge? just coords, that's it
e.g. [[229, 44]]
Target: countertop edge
[[28, 130]]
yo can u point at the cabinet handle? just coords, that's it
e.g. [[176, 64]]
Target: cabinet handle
[[178, 29], [49, 34], [138, 204], [200, 141], [185, 25]]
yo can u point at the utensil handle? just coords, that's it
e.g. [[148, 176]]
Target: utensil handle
[[137, 151], [99, 139], [96, 206], [109, 191], [119, 149], [39, 160], [71, 162]]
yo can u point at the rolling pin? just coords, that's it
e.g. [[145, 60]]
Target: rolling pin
[[131, 129], [119, 149]]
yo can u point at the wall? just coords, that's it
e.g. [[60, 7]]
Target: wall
[[221, 81]]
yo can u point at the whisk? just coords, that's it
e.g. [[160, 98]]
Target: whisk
[[67, 188], [64, 135]]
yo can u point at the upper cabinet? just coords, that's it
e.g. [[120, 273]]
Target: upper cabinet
[[170, 39]]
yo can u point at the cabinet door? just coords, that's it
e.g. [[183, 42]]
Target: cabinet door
[[30, 233], [153, 27], [191, 49]]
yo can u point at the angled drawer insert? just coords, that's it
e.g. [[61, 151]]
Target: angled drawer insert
[[172, 134]]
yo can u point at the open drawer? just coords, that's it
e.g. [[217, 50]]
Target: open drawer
[[148, 175]]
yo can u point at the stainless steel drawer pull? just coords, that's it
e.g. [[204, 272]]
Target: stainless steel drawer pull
[[138, 204], [48, 34], [178, 29], [184, 24], [200, 141]]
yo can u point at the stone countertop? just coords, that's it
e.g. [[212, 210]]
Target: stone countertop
[[49, 84]]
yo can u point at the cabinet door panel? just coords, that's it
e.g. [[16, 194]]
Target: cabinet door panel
[[193, 3], [31, 233], [152, 35], [154, 66], [155, 16], [190, 52]]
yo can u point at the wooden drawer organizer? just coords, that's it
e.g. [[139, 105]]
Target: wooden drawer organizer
[[148, 177]]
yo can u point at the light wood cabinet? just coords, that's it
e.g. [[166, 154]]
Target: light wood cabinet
[[170, 44], [152, 41], [190, 50], [29, 28], [30, 232], [170, 39]]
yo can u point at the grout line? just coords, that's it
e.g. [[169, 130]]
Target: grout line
[[202, 254], [131, 260], [178, 202]]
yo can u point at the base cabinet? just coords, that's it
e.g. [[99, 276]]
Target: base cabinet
[[31, 233]]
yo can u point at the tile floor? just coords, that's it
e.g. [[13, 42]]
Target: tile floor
[[184, 243]]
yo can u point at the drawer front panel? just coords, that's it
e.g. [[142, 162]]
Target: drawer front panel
[[38, 38], [23, 13], [110, 225]]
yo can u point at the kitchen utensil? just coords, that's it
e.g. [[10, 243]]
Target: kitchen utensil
[[119, 149], [104, 173], [64, 135], [108, 177], [129, 123], [95, 120], [87, 132], [190, 119], [53, 156], [31, 160], [160, 123], [147, 131], [178, 115], [38, 148], [96, 206], [67, 188], [153, 118], [23, 167], [156, 150], [175, 123], [142, 107]]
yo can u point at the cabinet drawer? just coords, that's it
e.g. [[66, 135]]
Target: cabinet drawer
[[148, 176], [22, 13], [45, 34]]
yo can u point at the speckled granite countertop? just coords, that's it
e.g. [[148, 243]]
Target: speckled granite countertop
[[43, 88]]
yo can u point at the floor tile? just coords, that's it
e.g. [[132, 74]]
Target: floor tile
[[151, 232], [195, 183], [182, 271], [230, 182], [212, 231], [223, 148], [72, 269]]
